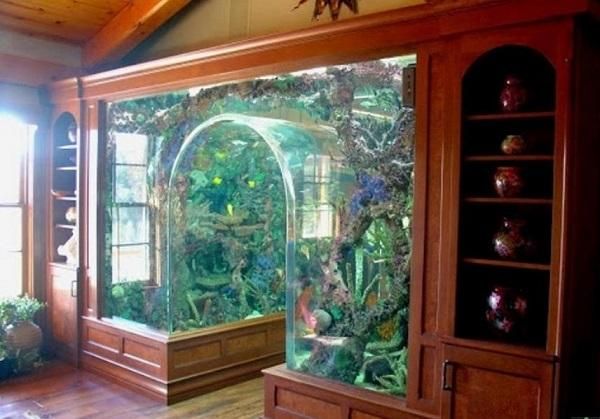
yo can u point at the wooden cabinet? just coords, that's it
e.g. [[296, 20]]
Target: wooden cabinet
[[509, 322], [62, 300], [63, 191], [64, 240], [506, 201], [478, 384]]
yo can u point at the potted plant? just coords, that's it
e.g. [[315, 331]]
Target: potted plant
[[6, 363], [16, 320]]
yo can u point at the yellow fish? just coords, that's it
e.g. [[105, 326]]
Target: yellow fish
[[251, 184], [217, 180], [230, 210]]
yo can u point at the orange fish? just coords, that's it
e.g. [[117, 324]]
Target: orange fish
[[302, 310]]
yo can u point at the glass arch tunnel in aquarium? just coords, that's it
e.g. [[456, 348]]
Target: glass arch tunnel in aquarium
[[284, 193]]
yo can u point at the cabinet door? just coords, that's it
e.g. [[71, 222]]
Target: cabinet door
[[63, 312], [478, 384]]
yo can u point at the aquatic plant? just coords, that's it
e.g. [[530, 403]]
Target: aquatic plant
[[395, 382]]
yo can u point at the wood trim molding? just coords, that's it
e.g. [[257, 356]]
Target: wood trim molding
[[128, 28], [360, 38], [68, 90], [30, 72]]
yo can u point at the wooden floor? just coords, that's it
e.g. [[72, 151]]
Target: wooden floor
[[59, 391]]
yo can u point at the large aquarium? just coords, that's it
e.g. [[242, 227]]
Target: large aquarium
[[291, 193]]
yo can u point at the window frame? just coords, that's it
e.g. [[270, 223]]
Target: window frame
[[25, 203], [115, 244]]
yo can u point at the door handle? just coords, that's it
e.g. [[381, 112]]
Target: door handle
[[445, 384], [74, 288]]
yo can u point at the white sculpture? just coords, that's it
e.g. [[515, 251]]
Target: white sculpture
[[69, 249]]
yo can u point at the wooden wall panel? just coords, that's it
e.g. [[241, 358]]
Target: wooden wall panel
[[140, 354], [306, 406], [102, 340], [234, 344], [89, 214], [357, 414], [428, 275], [246, 342], [427, 371], [197, 354]]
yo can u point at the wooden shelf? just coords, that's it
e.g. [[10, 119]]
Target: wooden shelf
[[508, 201], [67, 147], [507, 264], [510, 158], [66, 226], [519, 349], [67, 168], [510, 116]]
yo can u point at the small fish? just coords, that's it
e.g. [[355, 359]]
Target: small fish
[[221, 155], [251, 184], [230, 210], [217, 180]]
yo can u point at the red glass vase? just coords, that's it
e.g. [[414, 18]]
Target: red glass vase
[[508, 181], [512, 241], [513, 96], [513, 144], [507, 310]]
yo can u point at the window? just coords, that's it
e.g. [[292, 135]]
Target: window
[[130, 212], [17, 137], [317, 211]]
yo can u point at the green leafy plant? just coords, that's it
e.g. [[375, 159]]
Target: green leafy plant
[[18, 309], [395, 383], [3, 348]]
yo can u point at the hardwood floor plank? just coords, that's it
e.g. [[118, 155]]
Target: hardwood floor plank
[[59, 391]]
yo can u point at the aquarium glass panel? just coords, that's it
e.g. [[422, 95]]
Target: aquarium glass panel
[[286, 193]]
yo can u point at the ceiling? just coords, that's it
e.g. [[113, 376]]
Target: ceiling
[[73, 21], [104, 29]]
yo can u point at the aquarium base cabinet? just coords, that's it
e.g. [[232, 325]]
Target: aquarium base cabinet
[[290, 394], [179, 367]]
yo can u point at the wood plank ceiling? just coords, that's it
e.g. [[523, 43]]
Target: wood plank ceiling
[[105, 29], [74, 21]]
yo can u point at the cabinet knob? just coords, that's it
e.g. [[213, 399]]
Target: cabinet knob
[[446, 385]]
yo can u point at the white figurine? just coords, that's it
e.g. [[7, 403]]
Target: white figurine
[[69, 249]]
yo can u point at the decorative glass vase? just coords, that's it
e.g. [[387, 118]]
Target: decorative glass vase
[[513, 144], [513, 96], [508, 181], [512, 241], [507, 310]]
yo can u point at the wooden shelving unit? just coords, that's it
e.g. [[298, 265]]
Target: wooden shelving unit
[[484, 266], [63, 184], [512, 158], [509, 116]]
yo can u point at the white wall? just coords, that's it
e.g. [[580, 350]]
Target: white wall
[[211, 22], [26, 46]]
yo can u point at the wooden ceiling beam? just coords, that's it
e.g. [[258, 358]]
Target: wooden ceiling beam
[[127, 29]]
